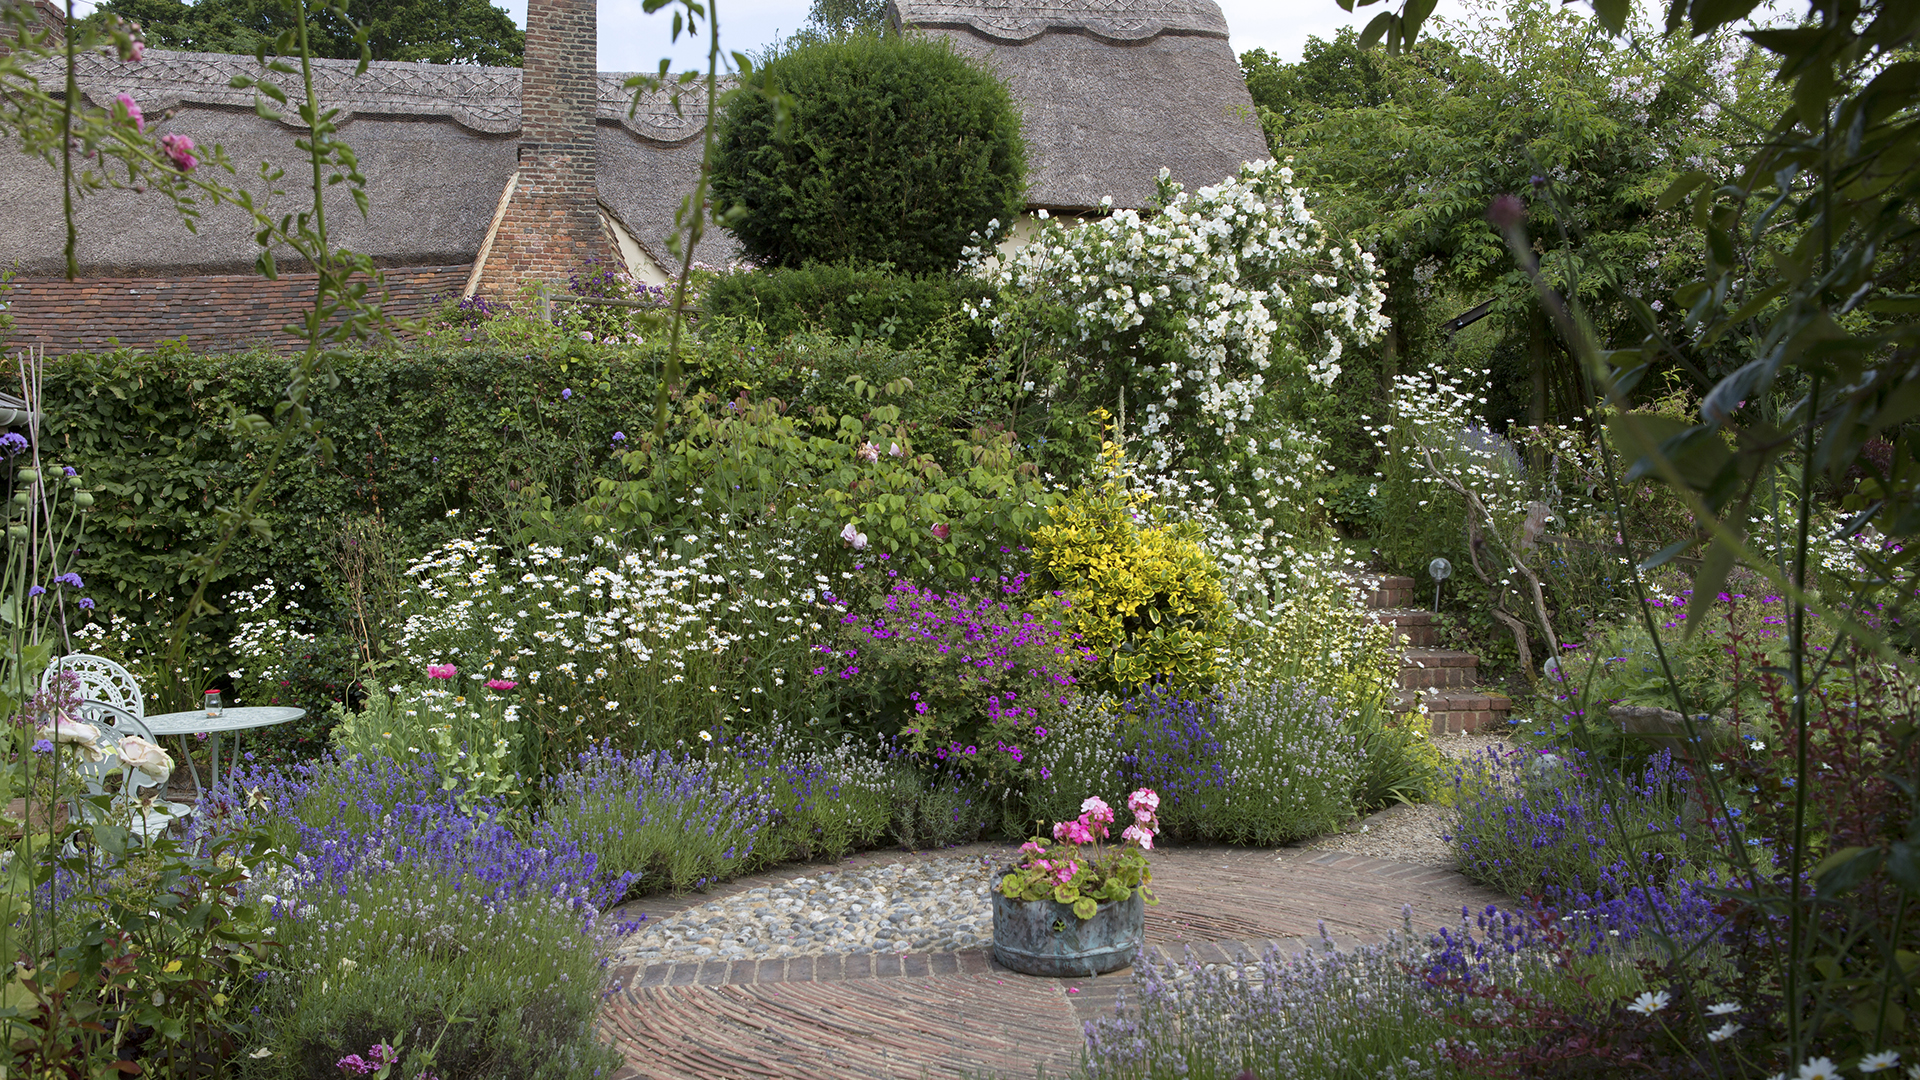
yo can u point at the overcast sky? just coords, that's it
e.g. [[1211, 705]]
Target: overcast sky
[[631, 40]]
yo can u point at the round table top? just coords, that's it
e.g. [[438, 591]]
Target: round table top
[[234, 718]]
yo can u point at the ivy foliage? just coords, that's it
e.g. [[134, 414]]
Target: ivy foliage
[[892, 150]]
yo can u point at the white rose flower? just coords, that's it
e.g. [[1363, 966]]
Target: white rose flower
[[138, 753]]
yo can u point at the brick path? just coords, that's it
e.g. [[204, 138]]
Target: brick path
[[960, 1014]]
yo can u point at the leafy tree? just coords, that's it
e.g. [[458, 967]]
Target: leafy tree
[[1411, 147], [1335, 74], [895, 150], [836, 18], [435, 31]]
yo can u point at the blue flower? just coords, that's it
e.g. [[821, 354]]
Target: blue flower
[[71, 471], [566, 394], [619, 436], [69, 578], [42, 746], [86, 603], [37, 590], [12, 443]]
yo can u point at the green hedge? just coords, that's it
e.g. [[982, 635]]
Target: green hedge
[[415, 437], [863, 303]]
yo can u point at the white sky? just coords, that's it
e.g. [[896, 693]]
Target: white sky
[[631, 40]]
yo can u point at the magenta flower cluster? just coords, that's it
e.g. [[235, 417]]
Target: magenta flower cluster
[[970, 673]]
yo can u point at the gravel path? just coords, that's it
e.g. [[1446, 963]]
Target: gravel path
[[927, 905], [1409, 834]]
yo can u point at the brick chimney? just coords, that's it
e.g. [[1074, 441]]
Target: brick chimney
[[548, 222]]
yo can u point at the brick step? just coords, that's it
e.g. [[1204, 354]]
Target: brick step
[[1429, 668], [1391, 591], [1414, 624], [1458, 710]]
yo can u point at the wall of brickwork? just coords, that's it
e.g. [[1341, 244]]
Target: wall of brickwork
[[551, 224]]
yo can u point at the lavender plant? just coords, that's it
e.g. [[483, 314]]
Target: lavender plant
[[503, 988], [1079, 756], [1533, 823], [1173, 746], [1292, 764], [1326, 1015], [684, 818]]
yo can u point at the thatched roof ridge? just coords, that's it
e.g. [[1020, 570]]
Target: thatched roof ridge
[[485, 100], [436, 142], [1110, 91], [1124, 22]]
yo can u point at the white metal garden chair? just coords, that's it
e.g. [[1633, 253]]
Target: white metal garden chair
[[100, 679]]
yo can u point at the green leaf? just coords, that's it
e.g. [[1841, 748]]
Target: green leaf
[[1085, 907], [1846, 869]]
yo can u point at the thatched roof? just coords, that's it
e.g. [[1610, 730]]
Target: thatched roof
[[1110, 90], [436, 142]]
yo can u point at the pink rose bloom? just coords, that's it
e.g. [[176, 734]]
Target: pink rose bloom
[[441, 671], [1143, 802], [132, 109], [942, 531], [1096, 811], [1141, 836], [501, 684], [180, 149], [869, 453]]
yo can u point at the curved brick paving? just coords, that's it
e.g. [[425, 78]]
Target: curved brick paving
[[959, 1014]]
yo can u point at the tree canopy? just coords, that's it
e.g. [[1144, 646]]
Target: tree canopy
[[1408, 150], [434, 31]]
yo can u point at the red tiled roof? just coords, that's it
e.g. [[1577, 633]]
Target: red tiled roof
[[223, 313]]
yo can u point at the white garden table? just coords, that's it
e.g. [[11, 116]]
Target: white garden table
[[235, 720]]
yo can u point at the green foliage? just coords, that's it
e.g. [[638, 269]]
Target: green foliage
[[862, 303], [935, 808], [835, 18], [478, 746], [502, 990], [433, 31], [1329, 76], [155, 439], [893, 150], [1146, 596], [751, 462]]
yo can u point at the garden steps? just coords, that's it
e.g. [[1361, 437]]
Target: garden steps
[[1444, 680]]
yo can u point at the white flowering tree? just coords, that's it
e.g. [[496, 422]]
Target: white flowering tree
[[1210, 322]]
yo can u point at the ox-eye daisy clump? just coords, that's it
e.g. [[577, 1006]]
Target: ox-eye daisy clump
[[704, 631]]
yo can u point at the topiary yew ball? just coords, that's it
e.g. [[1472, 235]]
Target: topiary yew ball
[[896, 150]]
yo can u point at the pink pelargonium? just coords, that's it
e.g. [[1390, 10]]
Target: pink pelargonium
[[1139, 835], [1143, 802], [1096, 811], [441, 671], [1073, 832], [180, 149], [501, 684], [1032, 847], [1063, 872]]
